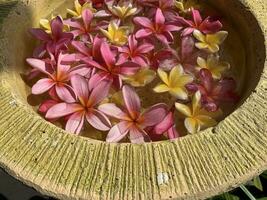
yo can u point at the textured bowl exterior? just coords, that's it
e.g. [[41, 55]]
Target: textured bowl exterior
[[69, 167]]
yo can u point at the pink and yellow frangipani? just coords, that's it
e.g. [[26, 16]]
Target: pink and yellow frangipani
[[132, 121], [135, 51], [84, 107], [174, 83], [57, 77], [196, 118], [124, 11], [115, 34], [210, 42], [214, 65], [141, 78], [79, 8], [158, 28]]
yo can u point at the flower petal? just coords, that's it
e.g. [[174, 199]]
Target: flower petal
[[163, 76], [199, 36], [161, 88], [136, 136], [131, 100], [46, 105], [143, 33], [42, 86], [118, 132], [154, 115], [217, 38], [179, 93], [196, 103], [65, 93], [39, 65], [206, 121], [98, 120], [191, 125], [99, 92], [80, 87], [107, 55], [75, 123], [87, 17], [159, 17], [184, 109], [56, 27], [143, 21], [40, 34], [112, 110], [62, 109]]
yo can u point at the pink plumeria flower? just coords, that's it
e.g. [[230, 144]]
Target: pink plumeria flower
[[109, 67], [206, 26], [159, 28], [132, 120], [54, 42], [213, 92], [84, 107], [85, 27], [166, 7], [134, 52], [57, 77], [167, 126]]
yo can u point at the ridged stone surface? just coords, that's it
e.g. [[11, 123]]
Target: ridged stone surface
[[194, 167]]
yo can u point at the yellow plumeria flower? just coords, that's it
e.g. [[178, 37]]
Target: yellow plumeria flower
[[141, 78], [196, 118], [79, 9], [116, 35], [210, 42], [123, 11], [174, 83], [186, 5], [214, 65]]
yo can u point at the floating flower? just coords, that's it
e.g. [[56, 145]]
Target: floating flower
[[54, 42], [135, 52], [207, 26], [109, 67], [210, 42], [124, 11], [116, 35], [159, 28], [83, 29], [132, 120], [196, 118], [174, 83], [80, 7], [214, 92], [214, 65], [83, 107], [141, 78], [57, 78]]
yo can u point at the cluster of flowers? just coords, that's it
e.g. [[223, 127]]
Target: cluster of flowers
[[108, 48]]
